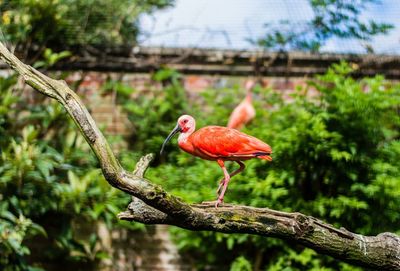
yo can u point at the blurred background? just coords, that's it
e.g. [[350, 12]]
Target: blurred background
[[326, 98]]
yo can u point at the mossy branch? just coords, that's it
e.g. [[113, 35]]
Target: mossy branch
[[153, 205]]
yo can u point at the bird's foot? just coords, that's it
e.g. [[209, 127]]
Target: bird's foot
[[218, 202]]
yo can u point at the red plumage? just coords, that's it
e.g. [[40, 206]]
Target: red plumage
[[216, 142]]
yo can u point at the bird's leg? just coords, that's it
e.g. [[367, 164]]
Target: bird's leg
[[227, 177], [237, 171], [240, 169], [221, 183]]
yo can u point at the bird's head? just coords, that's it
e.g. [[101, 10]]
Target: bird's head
[[249, 86], [185, 124]]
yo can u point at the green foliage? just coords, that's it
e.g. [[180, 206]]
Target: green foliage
[[50, 58], [241, 264], [13, 232], [306, 259], [332, 18], [50, 186], [153, 112], [66, 24], [336, 157]]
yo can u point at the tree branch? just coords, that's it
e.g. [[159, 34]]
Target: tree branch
[[153, 205]]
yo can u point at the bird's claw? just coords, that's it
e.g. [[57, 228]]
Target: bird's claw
[[218, 202]]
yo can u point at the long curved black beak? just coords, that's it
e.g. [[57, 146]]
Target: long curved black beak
[[177, 129]]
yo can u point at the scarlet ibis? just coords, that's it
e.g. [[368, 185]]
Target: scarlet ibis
[[219, 144], [244, 112]]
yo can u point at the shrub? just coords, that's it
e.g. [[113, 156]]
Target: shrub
[[50, 184], [71, 24]]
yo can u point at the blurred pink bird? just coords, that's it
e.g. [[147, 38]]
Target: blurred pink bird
[[245, 111]]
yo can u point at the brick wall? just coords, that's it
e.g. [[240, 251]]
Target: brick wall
[[150, 250], [104, 109]]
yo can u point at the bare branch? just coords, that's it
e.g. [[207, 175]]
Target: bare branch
[[143, 164], [153, 205], [369, 251]]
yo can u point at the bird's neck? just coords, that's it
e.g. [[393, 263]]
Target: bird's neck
[[248, 95], [183, 136], [184, 142]]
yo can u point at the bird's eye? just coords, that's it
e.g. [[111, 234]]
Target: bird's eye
[[185, 121]]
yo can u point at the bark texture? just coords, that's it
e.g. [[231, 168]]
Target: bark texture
[[151, 204]]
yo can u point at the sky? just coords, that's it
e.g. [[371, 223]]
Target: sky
[[230, 24]]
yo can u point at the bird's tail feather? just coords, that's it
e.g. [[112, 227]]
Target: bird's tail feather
[[265, 157]]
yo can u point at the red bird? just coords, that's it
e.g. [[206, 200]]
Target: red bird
[[219, 144], [244, 112]]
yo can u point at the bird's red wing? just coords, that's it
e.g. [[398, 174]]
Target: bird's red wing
[[216, 141]]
